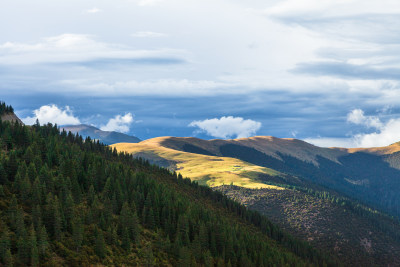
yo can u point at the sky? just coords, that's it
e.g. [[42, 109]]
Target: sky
[[325, 71]]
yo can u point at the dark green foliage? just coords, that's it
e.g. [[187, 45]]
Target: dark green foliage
[[5, 109], [100, 244], [73, 202]]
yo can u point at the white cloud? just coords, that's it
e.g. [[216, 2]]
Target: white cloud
[[93, 10], [386, 133], [167, 87], [148, 34], [149, 2], [357, 116], [330, 8], [228, 127], [66, 48], [119, 123], [52, 114]]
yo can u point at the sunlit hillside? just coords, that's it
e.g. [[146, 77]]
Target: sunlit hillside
[[210, 170]]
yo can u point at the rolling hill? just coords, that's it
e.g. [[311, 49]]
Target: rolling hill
[[358, 183], [106, 137]]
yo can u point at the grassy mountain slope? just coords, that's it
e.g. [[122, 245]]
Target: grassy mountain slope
[[205, 169], [106, 137], [358, 173], [65, 201], [370, 175]]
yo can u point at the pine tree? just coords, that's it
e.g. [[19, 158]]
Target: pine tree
[[77, 232], [8, 259], [3, 175], [5, 244], [126, 242], [100, 244], [184, 257], [148, 255], [24, 250], [12, 211], [57, 220], [34, 255], [43, 243]]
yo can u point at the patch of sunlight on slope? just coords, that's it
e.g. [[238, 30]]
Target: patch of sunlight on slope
[[207, 170]]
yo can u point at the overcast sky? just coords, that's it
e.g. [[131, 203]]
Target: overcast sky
[[326, 71]]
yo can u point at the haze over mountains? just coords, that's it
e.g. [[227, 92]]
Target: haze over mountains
[[106, 137]]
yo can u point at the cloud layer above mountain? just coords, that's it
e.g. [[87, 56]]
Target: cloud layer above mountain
[[295, 66], [227, 127]]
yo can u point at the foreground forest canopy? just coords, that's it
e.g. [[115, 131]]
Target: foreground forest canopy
[[66, 201]]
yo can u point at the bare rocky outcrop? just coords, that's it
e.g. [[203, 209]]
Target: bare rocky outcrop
[[11, 117]]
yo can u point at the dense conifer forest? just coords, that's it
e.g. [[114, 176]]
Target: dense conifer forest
[[66, 201]]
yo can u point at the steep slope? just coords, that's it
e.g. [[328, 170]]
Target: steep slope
[[204, 169], [371, 175], [355, 234], [337, 172], [106, 137], [65, 201], [7, 113]]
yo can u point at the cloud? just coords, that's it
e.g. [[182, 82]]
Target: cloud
[[357, 116], [228, 127], [385, 133], [81, 48], [149, 2], [331, 8], [119, 123], [163, 87], [93, 10], [148, 34], [345, 70], [388, 134], [54, 115]]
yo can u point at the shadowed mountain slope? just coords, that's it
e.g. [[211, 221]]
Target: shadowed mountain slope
[[353, 183], [106, 137]]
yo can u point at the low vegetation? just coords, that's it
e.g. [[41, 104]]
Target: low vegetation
[[353, 233], [205, 169]]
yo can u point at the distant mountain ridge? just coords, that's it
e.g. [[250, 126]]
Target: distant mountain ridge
[[330, 197], [368, 174], [106, 137]]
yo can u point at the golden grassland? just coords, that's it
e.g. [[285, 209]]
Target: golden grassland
[[207, 170]]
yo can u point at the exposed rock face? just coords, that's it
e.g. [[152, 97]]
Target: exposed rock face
[[11, 117]]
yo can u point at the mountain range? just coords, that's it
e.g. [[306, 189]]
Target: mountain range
[[312, 192], [70, 201], [296, 201], [106, 137]]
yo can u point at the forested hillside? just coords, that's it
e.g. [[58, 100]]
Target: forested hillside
[[317, 200], [66, 201], [356, 234]]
